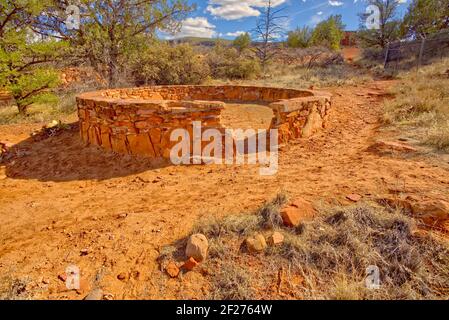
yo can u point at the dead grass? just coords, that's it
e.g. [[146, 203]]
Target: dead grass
[[330, 255], [280, 75], [422, 102], [14, 289]]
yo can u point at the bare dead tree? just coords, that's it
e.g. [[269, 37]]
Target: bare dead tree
[[268, 29]]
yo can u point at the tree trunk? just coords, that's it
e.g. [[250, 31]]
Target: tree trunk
[[113, 70], [22, 109]]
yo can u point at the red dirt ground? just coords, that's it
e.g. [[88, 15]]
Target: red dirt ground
[[64, 203]]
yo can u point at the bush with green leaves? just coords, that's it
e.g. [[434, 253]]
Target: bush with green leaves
[[161, 63], [24, 57], [425, 17], [242, 42], [388, 29], [299, 38], [229, 63], [328, 33]]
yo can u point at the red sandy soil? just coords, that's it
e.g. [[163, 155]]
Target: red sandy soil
[[350, 53], [63, 203]]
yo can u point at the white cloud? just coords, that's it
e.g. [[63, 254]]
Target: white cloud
[[195, 27], [335, 3], [237, 9], [235, 34], [315, 19], [320, 13]]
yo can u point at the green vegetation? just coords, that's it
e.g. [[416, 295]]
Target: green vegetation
[[108, 29], [299, 38], [229, 63], [24, 69], [425, 17], [242, 42], [161, 63], [388, 30], [328, 33]]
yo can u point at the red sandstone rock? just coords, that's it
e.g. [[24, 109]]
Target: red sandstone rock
[[122, 276], [190, 264], [256, 243], [117, 125], [140, 144], [197, 247], [433, 212], [172, 269], [300, 210], [354, 197], [276, 238], [384, 147]]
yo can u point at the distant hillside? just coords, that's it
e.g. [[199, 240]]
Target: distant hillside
[[209, 42]]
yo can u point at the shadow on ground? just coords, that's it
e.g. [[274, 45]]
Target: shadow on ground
[[64, 157]]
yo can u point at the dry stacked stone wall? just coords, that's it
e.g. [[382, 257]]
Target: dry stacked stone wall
[[140, 121]]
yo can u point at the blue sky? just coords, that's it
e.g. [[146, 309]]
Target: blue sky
[[228, 18]]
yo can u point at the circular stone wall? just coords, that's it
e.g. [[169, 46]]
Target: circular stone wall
[[139, 121]]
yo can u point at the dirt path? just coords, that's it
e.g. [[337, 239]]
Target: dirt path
[[63, 203]]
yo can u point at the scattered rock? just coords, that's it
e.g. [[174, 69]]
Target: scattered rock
[[172, 269], [122, 216], [388, 147], [432, 212], [354, 197], [84, 252], [190, 264], [108, 296], [96, 294], [291, 216], [300, 210], [256, 243], [276, 238], [122, 276], [62, 277], [197, 247]]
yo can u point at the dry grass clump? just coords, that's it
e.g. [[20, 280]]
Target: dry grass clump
[[14, 288], [233, 282], [422, 101], [331, 256], [280, 75], [342, 244]]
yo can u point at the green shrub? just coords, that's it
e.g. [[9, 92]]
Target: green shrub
[[242, 42], [162, 63], [228, 63], [299, 38], [328, 33]]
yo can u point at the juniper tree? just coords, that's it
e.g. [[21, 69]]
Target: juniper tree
[[24, 58], [105, 30]]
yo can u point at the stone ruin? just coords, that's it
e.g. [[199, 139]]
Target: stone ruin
[[139, 121]]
